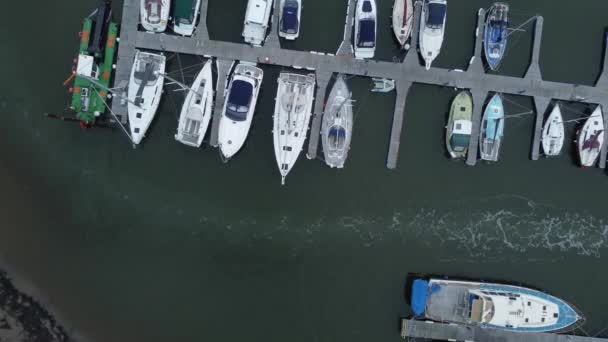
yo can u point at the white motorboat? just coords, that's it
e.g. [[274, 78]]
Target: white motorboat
[[154, 15], [256, 21], [239, 106], [382, 85], [292, 111], [337, 124], [432, 29], [197, 110], [289, 19], [553, 133], [145, 90], [403, 20], [185, 16], [365, 29], [591, 138]]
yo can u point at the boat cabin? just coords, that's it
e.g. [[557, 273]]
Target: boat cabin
[[337, 138], [461, 134], [239, 100]]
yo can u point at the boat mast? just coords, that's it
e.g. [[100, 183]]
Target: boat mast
[[179, 83]]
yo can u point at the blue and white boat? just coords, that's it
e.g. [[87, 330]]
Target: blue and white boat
[[290, 12], [492, 129], [495, 34], [365, 29], [491, 305]]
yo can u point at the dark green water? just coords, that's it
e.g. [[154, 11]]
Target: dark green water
[[165, 242]]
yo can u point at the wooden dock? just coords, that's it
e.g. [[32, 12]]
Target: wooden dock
[[415, 329], [406, 73]]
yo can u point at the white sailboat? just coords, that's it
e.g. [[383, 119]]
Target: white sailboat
[[239, 107], [256, 21], [197, 109], [365, 29], [292, 111], [432, 29], [289, 19], [553, 133], [403, 15], [144, 93], [154, 15], [337, 124], [591, 138]]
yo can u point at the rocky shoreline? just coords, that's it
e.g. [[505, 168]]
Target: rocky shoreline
[[23, 319]]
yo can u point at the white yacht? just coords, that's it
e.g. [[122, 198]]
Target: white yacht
[[154, 14], [239, 106], [185, 16], [591, 138], [256, 21], [197, 109], [365, 29], [289, 19], [145, 90], [337, 124], [292, 111], [403, 19], [432, 28], [553, 133]]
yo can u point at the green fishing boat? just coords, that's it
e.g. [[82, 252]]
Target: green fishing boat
[[458, 130], [93, 70]]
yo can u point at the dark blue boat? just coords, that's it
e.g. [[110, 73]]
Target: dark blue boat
[[290, 19], [495, 34]]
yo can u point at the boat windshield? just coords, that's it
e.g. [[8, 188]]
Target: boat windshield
[[367, 33], [337, 137], [239, 100], [289, 20], [435, 15]]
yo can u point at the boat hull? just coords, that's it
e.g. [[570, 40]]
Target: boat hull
[[458, 130], [366, 27], [492, 129], [292, 112], [232, 133], [553, 133], [403, 15], [441, 300], [197, 109], [495, 34], [337, 124], [591, 138], [154, 15], [144, 97], [432, 30]]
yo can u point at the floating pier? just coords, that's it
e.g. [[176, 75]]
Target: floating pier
[[415, 329], [405, 73]]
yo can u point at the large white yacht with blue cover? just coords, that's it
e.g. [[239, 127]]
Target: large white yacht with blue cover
[[491, 305]]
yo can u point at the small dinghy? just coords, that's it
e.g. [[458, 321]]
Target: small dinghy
[[239, 107], [383, 85], [289, 20], [292, 112], [403, 15], [459, 128], [154, 15], [432, 29], [337, 124], [197, 109], [492, 129], [495, 34], [365, 29], [553, 133], [145, 90], [591, 138]]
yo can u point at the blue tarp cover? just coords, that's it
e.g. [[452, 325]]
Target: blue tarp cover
[[289, 23], [436, 14], [367, 33], [419, 295]]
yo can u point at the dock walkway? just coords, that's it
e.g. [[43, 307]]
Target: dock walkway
[[405, 73]]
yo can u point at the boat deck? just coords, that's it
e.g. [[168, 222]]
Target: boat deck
[[405, 73]]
